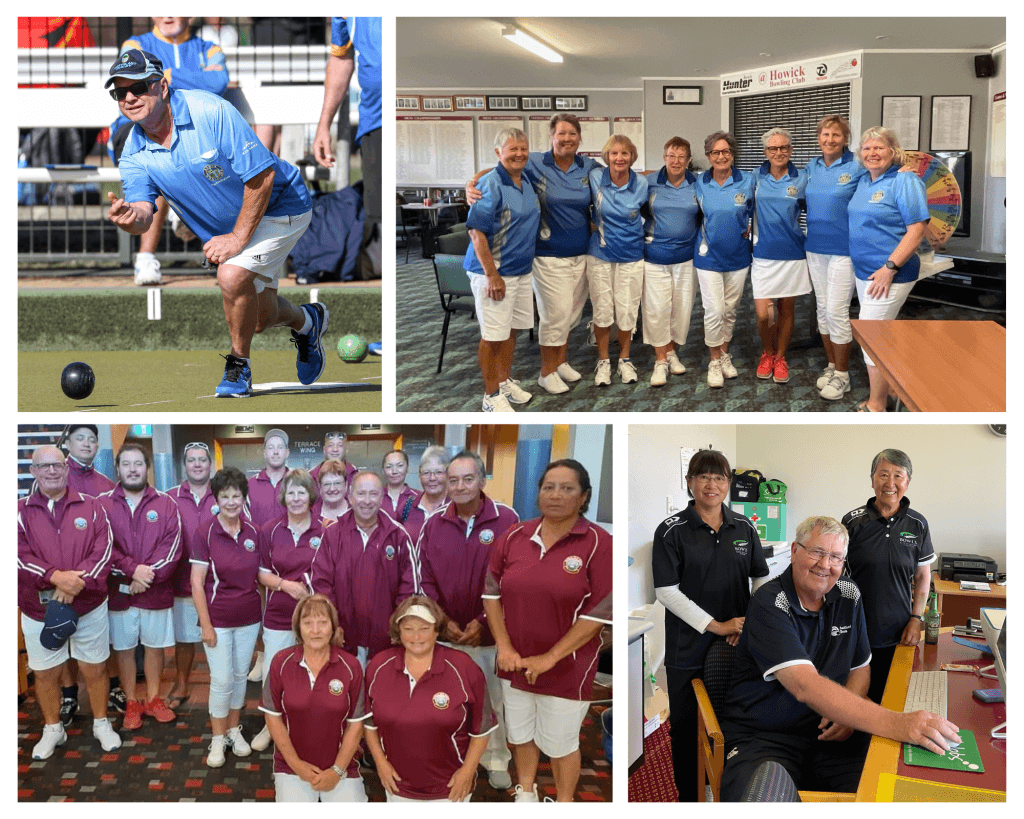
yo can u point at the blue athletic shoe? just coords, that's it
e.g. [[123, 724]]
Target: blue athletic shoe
[[309, 362], [375, 348], [237, 382]]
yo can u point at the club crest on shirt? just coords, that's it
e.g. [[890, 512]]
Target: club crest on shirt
[[585, 182], [389, 552], [844, 179], [877, 196], [215, 510], [838, 631], [572, 564], [908, 539], [80, 523], [791, 191], [335, 687], [249, 545], [215, 173], [740, 199], [314, 542], [486, 536], [741, 546], [151, 516], [441, 700]]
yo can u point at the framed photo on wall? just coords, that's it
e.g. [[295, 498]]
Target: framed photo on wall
[[409, 102], [437, 104], [536, 103], [571, 103], [682, 94], [471, 103], [503, 103]]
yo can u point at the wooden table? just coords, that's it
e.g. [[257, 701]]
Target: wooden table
[[940, 366], [956, 605]]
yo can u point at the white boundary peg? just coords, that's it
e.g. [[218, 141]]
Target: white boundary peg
[[153, 303]]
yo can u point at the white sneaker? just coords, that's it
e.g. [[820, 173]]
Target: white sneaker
[[553, 383], [239, 747], [675, 366], [728, 370], [660, 374], [215, 755], [826, 376], [715, 373], [567, 373], [256, 675], [105, 733], [497, 403], [836, 388], [591, 339], [262, 740], [147, 269], [513, 392], [525, 796], [53, 735], [627, 372], [603, 373]]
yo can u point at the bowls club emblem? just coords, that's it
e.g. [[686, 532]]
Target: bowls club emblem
[[740, 198], [214, 173], [151, 516], [487, 537], [80, 523], [877, 196], [249, 545], [314, 542], [844, 179], [389, 552], [572, 564], [335, 687], [215, 510], [791, 191], [441, 700]]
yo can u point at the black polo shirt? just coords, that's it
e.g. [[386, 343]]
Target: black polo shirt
[[883, 556], [711, 568], [779, 632]]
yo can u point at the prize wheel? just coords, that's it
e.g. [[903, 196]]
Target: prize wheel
[[944, 204]]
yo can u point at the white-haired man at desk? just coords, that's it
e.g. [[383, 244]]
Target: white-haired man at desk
[[799, 687]]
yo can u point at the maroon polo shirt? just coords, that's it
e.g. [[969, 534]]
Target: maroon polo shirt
[[281, 555], [232, 567], [454, 556], [365, 584], [543, 596], [263, 506], [193, 515], [394, 510], [418, 516], [425, 732], [74, 536], [149, 536], [86, 480], [315, 712]]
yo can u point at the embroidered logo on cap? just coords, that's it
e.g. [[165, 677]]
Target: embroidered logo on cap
[[572, 564], [441, 700]]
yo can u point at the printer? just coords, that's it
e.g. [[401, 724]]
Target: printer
[[967, 567]]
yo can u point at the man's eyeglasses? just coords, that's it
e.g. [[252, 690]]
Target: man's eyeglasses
[[818, 554], [138, 89]]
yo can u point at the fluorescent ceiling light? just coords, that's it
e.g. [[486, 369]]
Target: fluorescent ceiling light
[[527, 42]]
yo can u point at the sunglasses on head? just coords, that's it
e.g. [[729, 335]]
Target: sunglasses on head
[[138, 89]]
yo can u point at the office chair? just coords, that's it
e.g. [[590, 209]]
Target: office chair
[[454, 291], [453, 244]]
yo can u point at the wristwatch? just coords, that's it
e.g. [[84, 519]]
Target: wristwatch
[[918, 616], [895, 268], [338, 771]]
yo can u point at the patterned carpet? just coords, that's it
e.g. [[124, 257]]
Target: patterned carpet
[[653, 781], [458, 388], [165, 762]]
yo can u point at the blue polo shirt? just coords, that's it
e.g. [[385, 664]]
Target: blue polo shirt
[[670, 219], [880, 212], [509, 217], [365, 34], [727, 209], [777, 206], [779, 632], [564, 203], [213, 154], [828, 193], [616, 211]]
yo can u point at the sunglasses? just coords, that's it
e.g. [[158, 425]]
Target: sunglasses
[[138, 89]]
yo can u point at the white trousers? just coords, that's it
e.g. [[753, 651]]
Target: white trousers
[[560, 286], [720, 294], [832, 278], [669, 290], [615, 292], [229, 667]]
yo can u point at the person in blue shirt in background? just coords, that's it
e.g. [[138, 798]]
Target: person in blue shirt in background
[[779, 269], [189, 62], [726, 198], [888, 215], [503, 233], [831, 180], [615, 257], [670, 237]]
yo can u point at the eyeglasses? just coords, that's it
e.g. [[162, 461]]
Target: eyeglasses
[[138, 89], [439, 473], [680, 157], [818, 554], [779, 149], [48, 467], [726, 152], [719, 480], [332, 484]]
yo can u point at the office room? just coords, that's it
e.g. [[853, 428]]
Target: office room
[[862, 337], [803, 514]]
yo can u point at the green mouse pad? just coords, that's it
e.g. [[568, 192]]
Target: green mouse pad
[[965, 758]]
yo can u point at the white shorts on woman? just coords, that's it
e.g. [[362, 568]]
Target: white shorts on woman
[[552, 723], [615, 292], [832, 279], [779, 278], [720, 294], [884, 309], [560, 285], [514, 312], [669, 290]]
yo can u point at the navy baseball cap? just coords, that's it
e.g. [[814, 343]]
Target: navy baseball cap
[[61, 623], [135, 64]]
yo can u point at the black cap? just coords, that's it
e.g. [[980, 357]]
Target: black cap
[[61, 623], [91, 427], [135, 64]]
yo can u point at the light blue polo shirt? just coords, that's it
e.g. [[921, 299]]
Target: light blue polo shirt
[[564, 203], [509, 217], [727, 209], [670, 219], [828, 194], [213, 154], [777, 206], [365, 34], [879, 214], [616, 211]]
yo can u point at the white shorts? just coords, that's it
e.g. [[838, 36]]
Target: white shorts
[[154, 628], [669, 290], [560, 286], [779, 278], [291, 788], [615, 292], [186, 621], [881, 309], [268, 249], [391, 797], [514, 312], [274, 640], [89, 644], [553, 723]]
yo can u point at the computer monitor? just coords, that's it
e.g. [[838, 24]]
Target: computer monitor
[[993, 626]]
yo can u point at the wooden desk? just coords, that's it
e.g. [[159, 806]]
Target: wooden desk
[[956, 605], [940, 366], [885, 756]]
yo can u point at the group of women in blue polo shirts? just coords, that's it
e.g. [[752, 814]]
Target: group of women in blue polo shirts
[[658, 238]]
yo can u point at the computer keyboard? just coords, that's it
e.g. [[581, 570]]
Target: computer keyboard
[[927, 692]]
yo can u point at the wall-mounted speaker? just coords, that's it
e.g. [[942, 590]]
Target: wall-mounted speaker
[[984, 65]]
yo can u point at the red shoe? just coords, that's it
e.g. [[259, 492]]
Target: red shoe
[[132, 716], [156, 709], [781, 375], [766, 365]]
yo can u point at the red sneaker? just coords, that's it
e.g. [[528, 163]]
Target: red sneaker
[[781, 375], [158, 710], [132, 716], [766, 365]]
